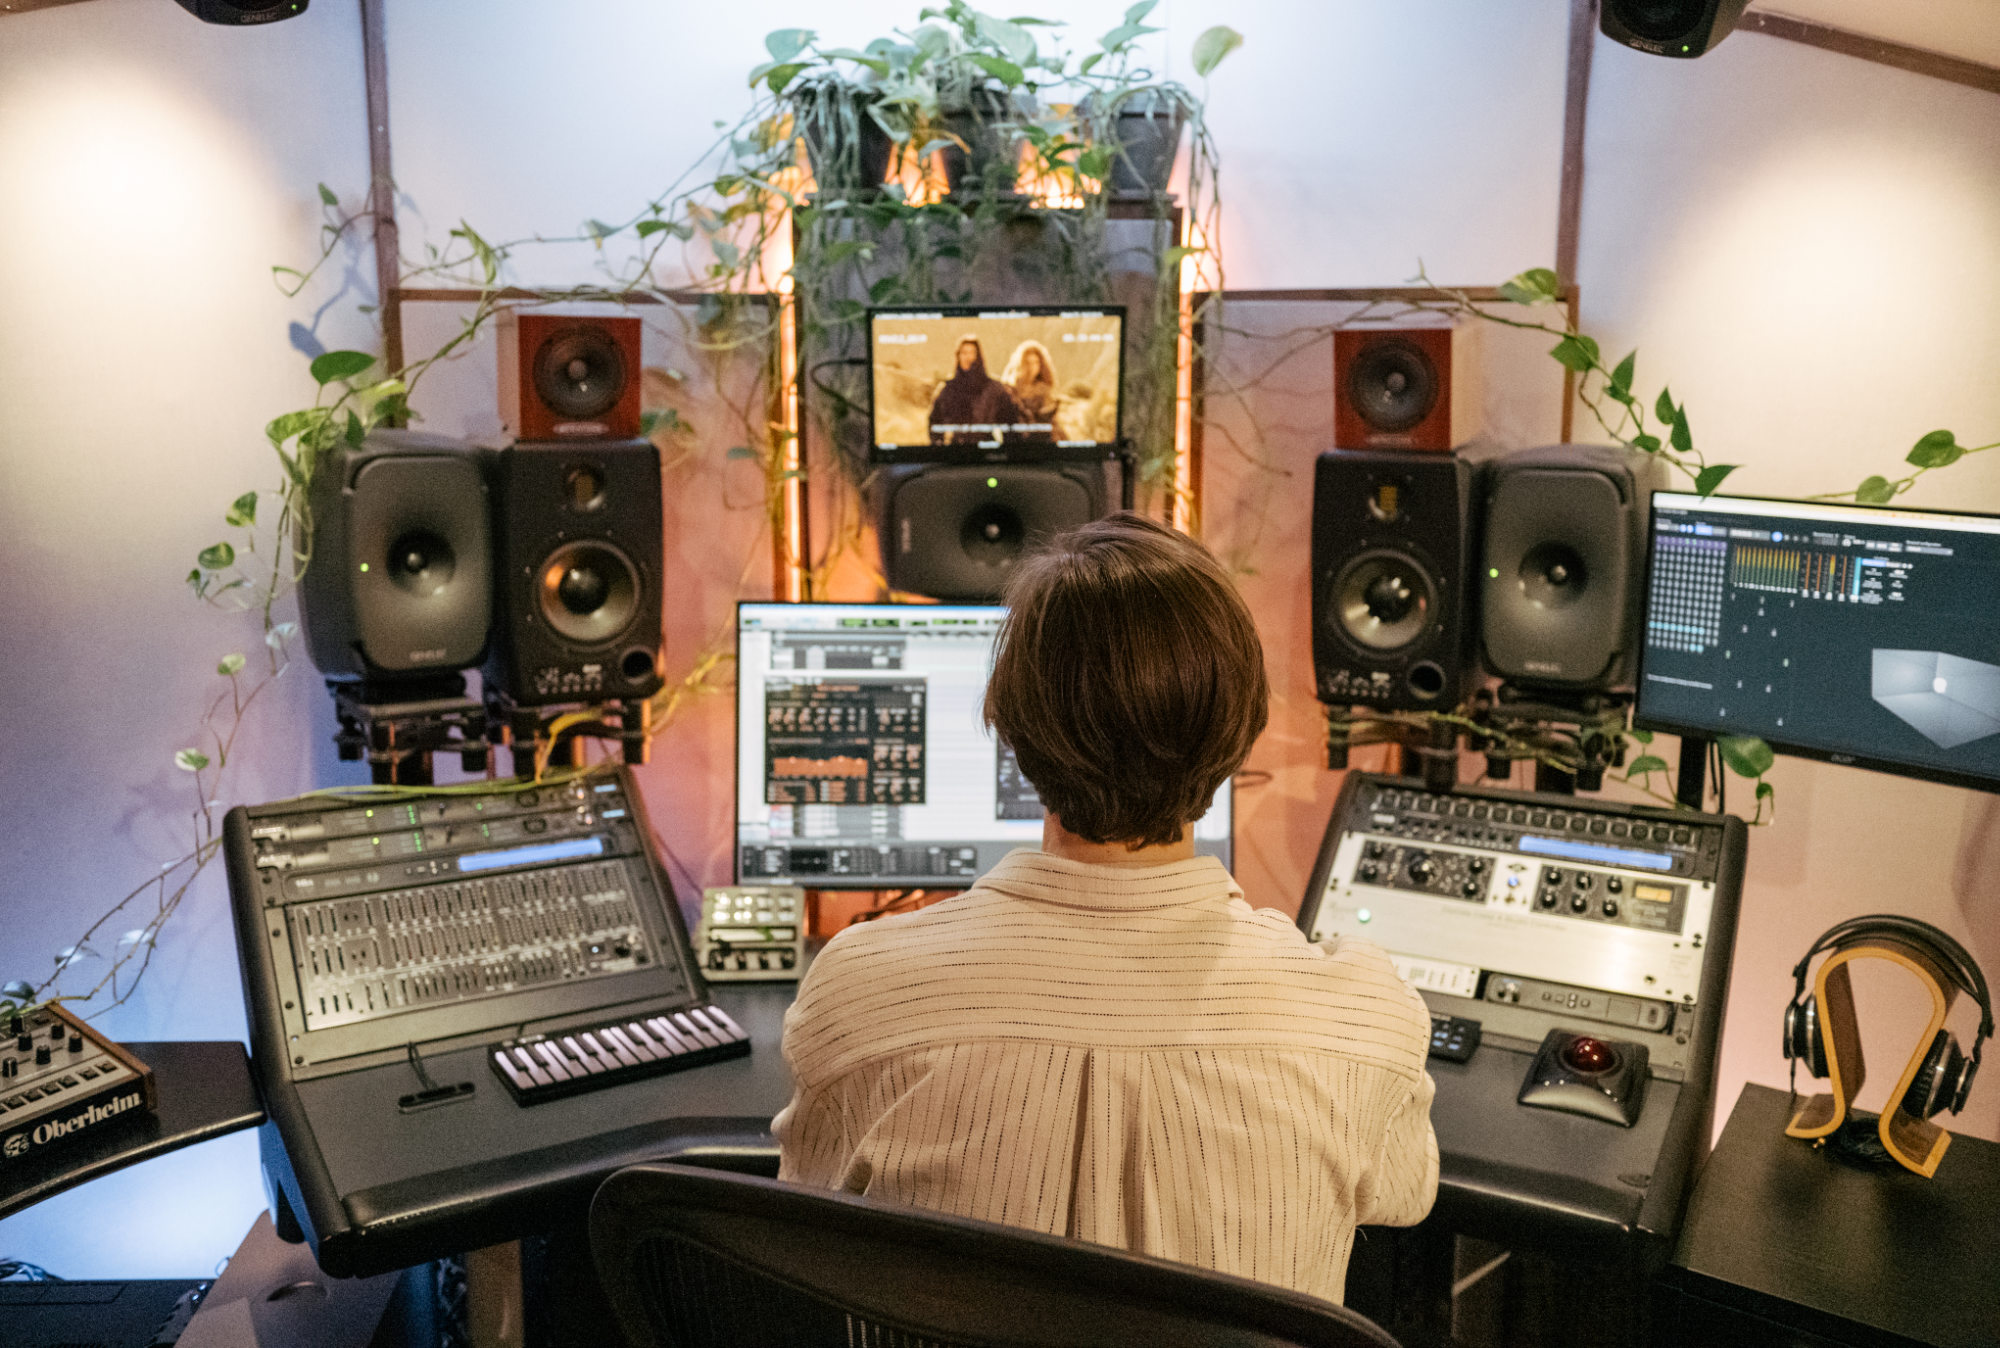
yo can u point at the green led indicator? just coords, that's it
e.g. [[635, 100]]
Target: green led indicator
[[364, 566], [992, 481], [1494, 572], [374, 842]]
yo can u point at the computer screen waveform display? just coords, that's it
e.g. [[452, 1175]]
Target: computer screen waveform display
[[1867, 635], [992, 379], [862, 760]]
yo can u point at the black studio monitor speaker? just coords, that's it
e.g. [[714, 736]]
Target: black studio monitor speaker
[[237, 13], [580, 554], [1562, 570], [1678, 28], [954, 531], [1390, 547], [398, 585]]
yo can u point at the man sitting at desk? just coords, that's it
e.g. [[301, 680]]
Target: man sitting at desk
[[1101, 1039]]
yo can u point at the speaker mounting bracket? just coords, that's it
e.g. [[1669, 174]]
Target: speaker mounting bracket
[[399, 726], [527, 729], [1586, 728]]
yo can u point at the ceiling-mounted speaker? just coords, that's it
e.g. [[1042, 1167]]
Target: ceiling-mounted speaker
[[1682, 29], [1405, 386], [581, 553], [237, 13], [569, 377], [398, 583], [1390, 545], [955, 531], [1562, 570]]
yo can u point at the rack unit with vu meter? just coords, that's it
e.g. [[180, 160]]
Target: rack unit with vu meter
[[1547, 920], [467, 1007]]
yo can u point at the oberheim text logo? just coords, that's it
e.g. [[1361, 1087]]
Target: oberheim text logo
[[55, 1128]]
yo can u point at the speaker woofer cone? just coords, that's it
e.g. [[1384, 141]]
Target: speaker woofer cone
[[588, 592], [1384, 601], [580, 373], [1553, 575], [1660, 20], [1392, 384], [420, 563]]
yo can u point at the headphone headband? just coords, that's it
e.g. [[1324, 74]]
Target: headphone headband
[[1957, 960]]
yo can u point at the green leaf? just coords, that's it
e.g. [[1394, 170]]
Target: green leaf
[[1537, 285], [281, 429], [340, 365], [785, 43], [1644, 764], [1709, 478], [326, 195], [279, 634], [1083, 66], [217, 557], [741, 452], [1123, 36], [1094, 162], [1936, 450], [197, 582], [660, 418], [190, 760], [860, 58], [1641, 736], [1575, 352], [1663, 407], [1876, 490], [727, 253], [1212, 46], [242, 511], [598, 230], [230, 664], [1649, 443], [355, 432], [1017, 42], [778, 77], [1745, 755], [884, 289], [1621, 378], [1000, 69], [1681, 438], [1138, 11]]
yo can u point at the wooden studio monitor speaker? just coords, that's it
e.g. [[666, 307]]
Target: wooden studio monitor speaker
[[1405, 386], [569, 377]]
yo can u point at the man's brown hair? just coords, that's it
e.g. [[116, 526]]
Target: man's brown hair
[[1128, 679]]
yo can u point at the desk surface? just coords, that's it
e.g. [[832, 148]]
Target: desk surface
[[1781, 1229], [204, 1091]]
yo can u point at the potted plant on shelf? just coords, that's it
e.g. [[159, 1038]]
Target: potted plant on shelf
[[1130, 122], [849, 108]]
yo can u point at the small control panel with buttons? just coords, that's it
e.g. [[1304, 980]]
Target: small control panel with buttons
[[751, 932], [59, 1079]]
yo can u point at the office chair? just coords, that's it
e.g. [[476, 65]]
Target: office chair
[[694, 1258]]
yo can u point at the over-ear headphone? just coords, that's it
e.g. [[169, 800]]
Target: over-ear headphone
[[1945, 1077]]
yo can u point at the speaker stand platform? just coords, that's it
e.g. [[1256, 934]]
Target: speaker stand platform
[[399, 727], [528, 729], [1585, 727]]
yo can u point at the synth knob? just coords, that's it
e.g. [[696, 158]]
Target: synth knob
[[24, 1043], [1476, 865], [1470, 889], [14, 1024], [1368, 870], [1548, 900], [56, 1032], [75, 1042], [1584, 880], [1552, 876], [9, 1068], [42, 1055], [1614, 884], [1609, 908], [1577, 903], [1422, 868], [1375, 849]]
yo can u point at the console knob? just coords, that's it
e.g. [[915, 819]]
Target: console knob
[[1584, 1054], [1422, 868], [1548, 899], [1614, 884], [42, 1056], [1367, 871], [1609, 908], [1552, 876], [1476, 865], [1470, 889], [75, 1043], [1585, 881], [9, 1068], [24, 1043], [1577, 903]]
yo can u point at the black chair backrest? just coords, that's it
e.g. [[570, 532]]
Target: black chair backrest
[[696, 1258]]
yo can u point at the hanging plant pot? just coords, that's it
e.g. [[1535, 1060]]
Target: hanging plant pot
[[847, 148], [987, 122], [1143, 132]]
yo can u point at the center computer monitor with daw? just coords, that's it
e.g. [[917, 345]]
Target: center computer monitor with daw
[[1865, 635], [861, 758]]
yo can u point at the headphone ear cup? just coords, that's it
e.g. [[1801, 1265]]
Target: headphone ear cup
[[1933, 1086], [1807, 1044]]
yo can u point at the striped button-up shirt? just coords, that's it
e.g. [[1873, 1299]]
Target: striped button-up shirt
[[1123, 1054]]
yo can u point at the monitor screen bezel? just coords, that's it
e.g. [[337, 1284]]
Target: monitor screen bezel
[[1019, 453], [1793, 748], [833, 882]]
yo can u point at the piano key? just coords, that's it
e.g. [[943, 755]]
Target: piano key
[[619, 1039], [528, 1065], [558, 1068], [514, 1074], [640, 1034], [584, 1059], [694, 1031], [736, 1031], [608, 1049], [675, 1040]]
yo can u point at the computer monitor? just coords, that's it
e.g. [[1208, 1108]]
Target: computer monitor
[[1865, 635], [967, 380], [861, 758]]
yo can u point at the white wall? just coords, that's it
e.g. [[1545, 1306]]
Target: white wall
[[1803, 242], [153, 168], [1804, 245]]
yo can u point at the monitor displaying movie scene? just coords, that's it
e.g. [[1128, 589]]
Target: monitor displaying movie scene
[[972, 379]]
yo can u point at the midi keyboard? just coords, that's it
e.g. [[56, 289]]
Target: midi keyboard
[[540, 1067]]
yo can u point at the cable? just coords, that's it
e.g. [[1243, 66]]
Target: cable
[[11, 1269]]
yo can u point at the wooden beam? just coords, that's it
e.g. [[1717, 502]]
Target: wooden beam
[[382, 184], [469, 295], [1576, 101], [1881, 51], [23, 6]]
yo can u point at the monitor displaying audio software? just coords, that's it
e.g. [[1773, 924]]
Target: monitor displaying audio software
[[861, 758], [1038, 377], [1866, 635]]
